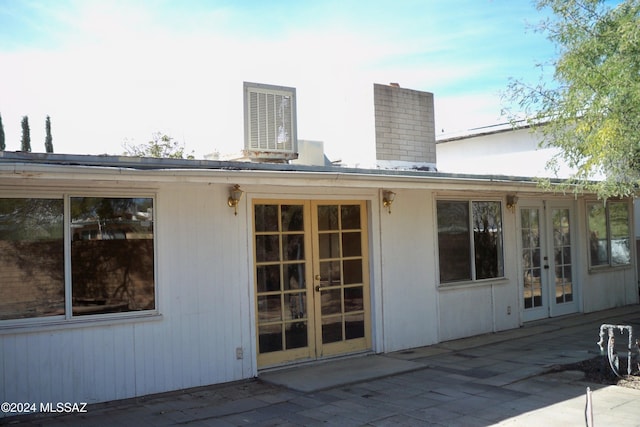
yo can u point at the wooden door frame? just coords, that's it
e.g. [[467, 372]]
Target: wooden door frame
[[315, 349]]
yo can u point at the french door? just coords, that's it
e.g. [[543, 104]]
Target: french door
[[311, 280], [547, 277]]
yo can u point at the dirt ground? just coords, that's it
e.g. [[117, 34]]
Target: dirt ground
[[597, 370]]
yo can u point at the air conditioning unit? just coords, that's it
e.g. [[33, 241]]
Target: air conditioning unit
[[270, 132]]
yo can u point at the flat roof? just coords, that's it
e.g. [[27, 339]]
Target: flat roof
[[160, 164]]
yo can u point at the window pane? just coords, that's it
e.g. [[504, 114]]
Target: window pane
[[352, 270], [350, 217], [270, 338], [454, 247], [112, 255], [31, 258], [266, 217], [329, 245], [268, 278], [330, 273], [295, 277], [292, 218], [269, 308], [331, 301], [331, 329], [267, 248], [351, 244], [619, 225], [487, 239], [293, 247], [295, 306], [296, 335], [597, 234], [353, 299], [327, 218], [354, 326]]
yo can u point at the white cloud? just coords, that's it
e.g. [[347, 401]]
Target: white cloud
[[122, 72]]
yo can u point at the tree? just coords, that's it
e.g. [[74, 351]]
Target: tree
[[2, 143], [160, 146], [26, 135], [48, 141], [590, 109]]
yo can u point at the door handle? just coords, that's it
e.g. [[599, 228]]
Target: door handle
[[317, 277], [546, 267]]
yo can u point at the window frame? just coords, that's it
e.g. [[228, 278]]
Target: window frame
[[68, 319], [609, 265], [472, 255]]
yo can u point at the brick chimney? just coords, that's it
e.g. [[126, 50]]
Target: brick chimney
[[405, 130]]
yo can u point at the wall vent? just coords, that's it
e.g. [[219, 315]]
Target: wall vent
[[270, 132]]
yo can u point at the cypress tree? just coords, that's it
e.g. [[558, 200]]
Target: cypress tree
[[48, 141], [2, 144], [26, 135]]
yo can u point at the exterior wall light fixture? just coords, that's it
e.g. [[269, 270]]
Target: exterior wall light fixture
[[387, 199], [512, 200], [235, 195]]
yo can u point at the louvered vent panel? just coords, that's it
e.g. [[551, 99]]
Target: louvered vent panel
[[271, 119]]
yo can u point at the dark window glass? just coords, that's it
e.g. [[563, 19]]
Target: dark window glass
[[461, 248], [31, 258], [609, 234], [620, 245], [598, 235], [487, 239], [454, 244], [292, 218], [293, 247], [112, 255], [268, 278], [266, 217], [350, 217], [327, 218], [351, 244]]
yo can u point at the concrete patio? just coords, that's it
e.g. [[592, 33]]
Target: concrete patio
[[496, 379]]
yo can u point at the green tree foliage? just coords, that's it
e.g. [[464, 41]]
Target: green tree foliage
[[591, 107], [160, 146], [2, 142], [26, 135], [48, 141]]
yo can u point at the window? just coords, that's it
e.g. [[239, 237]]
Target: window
[[469, 240], [609, 239], [110, 256], [31, 258]]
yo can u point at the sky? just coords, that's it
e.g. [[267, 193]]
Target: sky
[[110, 72]]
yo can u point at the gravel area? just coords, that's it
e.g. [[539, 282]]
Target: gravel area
[[597, 370]]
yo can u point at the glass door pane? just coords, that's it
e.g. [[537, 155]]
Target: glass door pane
[[341, 282], [563, 285], [531, 258], [562, 256], [548, 286], [281, 258]]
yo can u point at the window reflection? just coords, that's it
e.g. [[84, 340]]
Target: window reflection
[[469, 235], [31, 258], [453, 241], [609, 234], [112, 262]]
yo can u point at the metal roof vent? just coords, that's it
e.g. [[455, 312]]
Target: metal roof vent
[[270, 132]]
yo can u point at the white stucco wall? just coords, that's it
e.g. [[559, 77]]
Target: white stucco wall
[[512, 153]]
